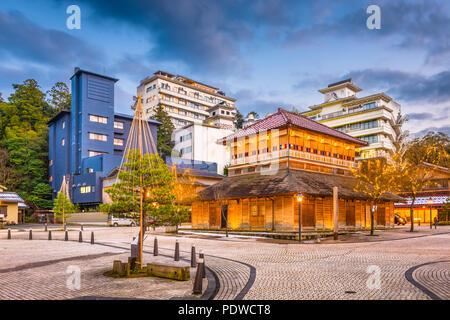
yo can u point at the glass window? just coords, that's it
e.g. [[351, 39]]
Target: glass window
[[93, 153], [98, 136], [85, 189], [369, 106], [118, 142], [98, 119], [63, 142], [63, 124], [118, 125]]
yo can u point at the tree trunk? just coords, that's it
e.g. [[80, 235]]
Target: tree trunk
[[411, 213]]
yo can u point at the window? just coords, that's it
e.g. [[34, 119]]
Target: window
[[118, 142], [370, 139], [369, 106], [149, 89], [118, 125], [93, 153], [89, 170], [98, 119], [98, 136], [50, 179], [63, 142], [50, 163], [86, 189], [63, 124]]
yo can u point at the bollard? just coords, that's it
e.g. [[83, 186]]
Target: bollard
[[202, 256], [193, 257], [66, 237], [45, 227], [92, 237], [177, 251], [198, 282], [9, 234], [50, 235], [80, 238], [155, 247], [30, 237]]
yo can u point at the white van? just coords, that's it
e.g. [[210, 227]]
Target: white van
[[115, 222]]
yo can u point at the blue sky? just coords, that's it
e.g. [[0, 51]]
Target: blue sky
[[265, 53]]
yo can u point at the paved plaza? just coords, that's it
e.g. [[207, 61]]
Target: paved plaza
[[394, 264]]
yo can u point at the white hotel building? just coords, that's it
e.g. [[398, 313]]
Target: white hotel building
[[187, 101], [371, 118]]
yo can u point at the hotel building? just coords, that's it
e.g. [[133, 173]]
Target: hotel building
[[187, 101], [275, 160], [371, 118]]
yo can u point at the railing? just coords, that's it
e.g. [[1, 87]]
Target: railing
[[294, 154], [191, 96]]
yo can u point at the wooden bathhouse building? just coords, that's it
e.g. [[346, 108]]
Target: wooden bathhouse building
[[275, 160]]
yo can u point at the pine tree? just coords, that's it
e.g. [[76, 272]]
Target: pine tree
[[165, 130], [59, 97], [62, 207]]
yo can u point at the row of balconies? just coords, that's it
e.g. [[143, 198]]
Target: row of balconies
[[209, 101], [294, 154]]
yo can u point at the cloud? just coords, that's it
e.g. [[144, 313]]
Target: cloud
[[27, 40], [422, 24], [420, 116]]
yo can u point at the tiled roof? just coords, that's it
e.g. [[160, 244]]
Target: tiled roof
[[10, 197], [283, 117], [285, 182]]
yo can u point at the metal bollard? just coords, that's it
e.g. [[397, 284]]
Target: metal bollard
[[80, 238], [155, 247], [193, 257], [177, 251], [66, 236], [45, 227], [9, 234], [198, 282], [30, 237], [92, 237], [50, 235], [202, 256]]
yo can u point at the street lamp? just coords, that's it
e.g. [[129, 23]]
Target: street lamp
[[430, 202], [299, 200]]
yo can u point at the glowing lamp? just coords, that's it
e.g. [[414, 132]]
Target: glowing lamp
[[299, 197]]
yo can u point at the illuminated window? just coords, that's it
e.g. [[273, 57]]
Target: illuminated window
[[93, 153], [118, 125], [86, 189], [50, 179], [118, 142], [63, 142], [98, 119], [98, 136], [63, 124]]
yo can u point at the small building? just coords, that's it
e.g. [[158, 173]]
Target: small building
[[272, 162], [434, 196], [12, 207], [197, 142]]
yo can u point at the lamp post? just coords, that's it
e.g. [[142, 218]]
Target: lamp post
[[299, 200], [430, 202]]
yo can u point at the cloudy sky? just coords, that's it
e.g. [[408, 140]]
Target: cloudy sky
[[265, 53]]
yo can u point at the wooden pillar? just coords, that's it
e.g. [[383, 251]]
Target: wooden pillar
[[335, 212]]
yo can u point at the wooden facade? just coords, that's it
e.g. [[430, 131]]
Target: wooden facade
[[280, 213], [274, 160]]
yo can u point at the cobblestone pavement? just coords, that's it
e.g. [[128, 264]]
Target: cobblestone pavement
[[245, 268]]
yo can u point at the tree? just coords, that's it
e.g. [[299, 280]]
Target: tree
[[239, 120], [254, 113], [41, 196], [376, 177], [185, 194], [59, 97], [63, 206], [6, 170], [24, 135], [414, 175], [165, 130], [400, 135], [159, 185]]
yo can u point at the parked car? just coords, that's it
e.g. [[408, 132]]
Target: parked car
[[115, 222], [399, 220]]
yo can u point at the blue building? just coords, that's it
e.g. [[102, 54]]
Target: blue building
[[88, 141]]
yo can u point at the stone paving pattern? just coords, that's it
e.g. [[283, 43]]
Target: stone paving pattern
[[284, 270]]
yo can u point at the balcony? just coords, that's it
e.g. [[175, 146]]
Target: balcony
[[296, 155]]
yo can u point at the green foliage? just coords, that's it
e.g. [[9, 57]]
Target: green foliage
[[165, 130], [225, 170], [24, 143], [63, 206], [159, 183], [254, 113], [59, 97], [239, 120]]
